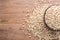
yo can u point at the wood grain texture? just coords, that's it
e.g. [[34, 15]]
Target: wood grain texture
[[15, 11], [13, 19]]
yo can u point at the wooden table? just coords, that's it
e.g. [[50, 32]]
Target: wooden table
[[14, 15]]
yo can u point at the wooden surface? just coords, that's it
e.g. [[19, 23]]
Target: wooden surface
[[13, 19], [14, 15]]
